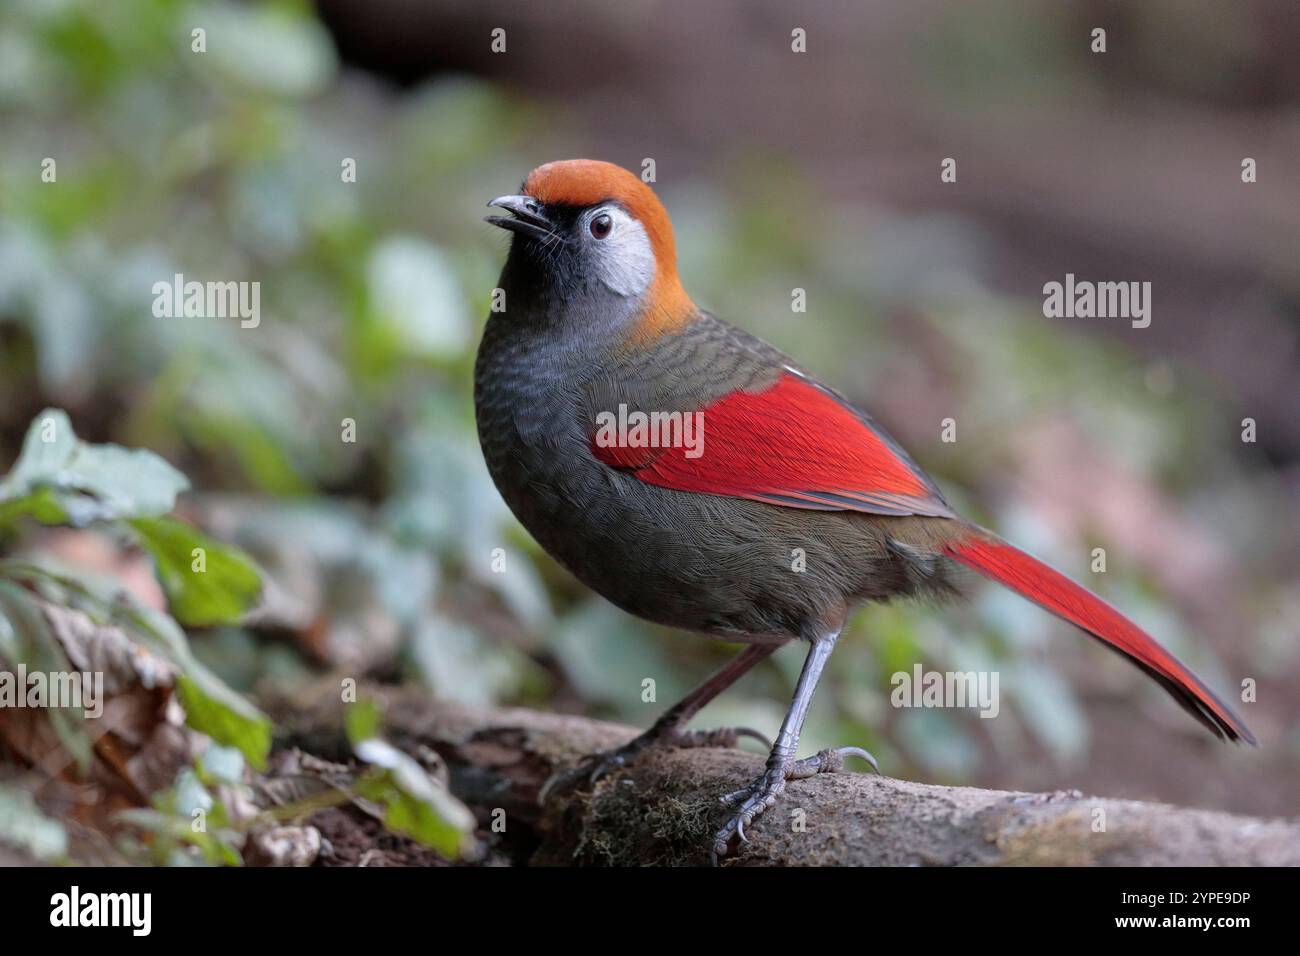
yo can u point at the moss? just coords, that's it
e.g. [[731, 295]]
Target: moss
[[642, 818]]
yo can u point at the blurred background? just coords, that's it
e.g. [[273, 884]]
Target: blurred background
[[816, 170]]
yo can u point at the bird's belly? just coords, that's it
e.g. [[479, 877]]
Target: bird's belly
[[711, 564]]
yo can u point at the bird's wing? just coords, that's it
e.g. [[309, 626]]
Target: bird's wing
[[792, 442]]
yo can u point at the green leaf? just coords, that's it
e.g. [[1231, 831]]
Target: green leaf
[[206, 582], [22, 825], [222, 764], [214, 709], [25, 637], [210, 706], [189, 794], [42, 504], [173, 830], [87, 482], [414, 804], [362, 721]]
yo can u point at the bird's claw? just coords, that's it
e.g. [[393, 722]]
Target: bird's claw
[[750, 802], [754, 799], [613, 761], [592, 768], [830, 760]]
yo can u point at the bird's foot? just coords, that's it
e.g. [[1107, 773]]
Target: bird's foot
[[750, 802], [591, 768]]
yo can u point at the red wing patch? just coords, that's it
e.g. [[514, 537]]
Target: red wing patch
[[794, 444]]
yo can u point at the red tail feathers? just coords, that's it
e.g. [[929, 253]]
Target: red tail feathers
[[1052, 590]]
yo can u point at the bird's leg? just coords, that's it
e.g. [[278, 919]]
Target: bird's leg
[[751, 801], [670, 729]]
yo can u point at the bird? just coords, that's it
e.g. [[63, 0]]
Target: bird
[[673, 463]]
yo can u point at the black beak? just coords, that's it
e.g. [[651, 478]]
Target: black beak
[[527, 219]]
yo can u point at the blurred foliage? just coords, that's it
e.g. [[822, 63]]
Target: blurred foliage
[[59, 479], [413, 802], [334, 444]]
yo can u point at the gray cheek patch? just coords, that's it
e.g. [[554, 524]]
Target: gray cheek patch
[[626, 261]]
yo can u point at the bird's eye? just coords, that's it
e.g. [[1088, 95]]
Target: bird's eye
[[601, 225]]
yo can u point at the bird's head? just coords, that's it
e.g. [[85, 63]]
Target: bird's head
[[592, 236]]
